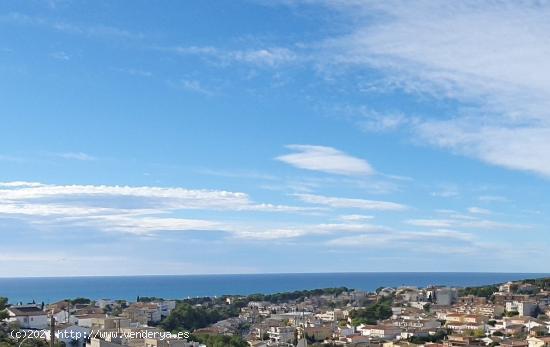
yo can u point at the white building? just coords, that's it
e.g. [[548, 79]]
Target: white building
[[166, 307], [28, 317], [61, 316], [71, 335], [525, 308], [103, 303], [281, 334], [383, 331]]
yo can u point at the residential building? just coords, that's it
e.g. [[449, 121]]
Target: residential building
[[28, 316]]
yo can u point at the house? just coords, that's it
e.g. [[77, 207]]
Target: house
[[539, 341], [258, 344], [166, 307], [281, 334], [169, 343], [383, 331], [425, 323], [60, 305], [143, 313], [513, 343], [102, 323], [460, 340], [86, 320], [357, 339], [472, 300], [524, 308], [318, 333], [102, 343], [514, 329], [71, 335], [136, 314], [331, 316], [60, 315], [87, 309], [507, 287], [103, 303], [28, 316]]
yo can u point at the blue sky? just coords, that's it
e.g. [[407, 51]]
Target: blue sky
[[188, 137]]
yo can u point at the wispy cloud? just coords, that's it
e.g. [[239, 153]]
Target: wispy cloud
[[355, 217], [18, 184], [194, 86], [400, 238], [266, 57], [136, 210], [446, 191], [478, 210], [490, 57], [291, 232], [349, 203], [135, 72], [75, 156], [326, 159], [469, 223]]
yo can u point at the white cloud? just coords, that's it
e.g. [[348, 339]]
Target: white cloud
[[148, 224], [469, 223], [75, 156], [137, 210], [478, 210], [447, 191], [430, 223], [267, 56], [491, 57], [400, 239], [16, 184], [290, 232], [372, 120], [362, 204], [194, 86], [355, 217], [135, 72], [326, 159], [157, 197]]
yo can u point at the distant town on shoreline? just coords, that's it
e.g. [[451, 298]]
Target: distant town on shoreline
[[511, 314]]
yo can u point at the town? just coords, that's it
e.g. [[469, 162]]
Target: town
[[513, 314]]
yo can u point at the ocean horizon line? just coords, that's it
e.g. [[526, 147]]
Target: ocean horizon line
[[51, 289], [278, 273]]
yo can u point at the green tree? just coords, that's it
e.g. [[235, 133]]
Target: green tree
[[3, 304], [373, 312], [80, 301], [188, 317], [479, 333]]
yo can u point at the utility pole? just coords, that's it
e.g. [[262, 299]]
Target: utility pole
[[52, 330]]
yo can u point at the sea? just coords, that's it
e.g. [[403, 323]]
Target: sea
[[51, 289]]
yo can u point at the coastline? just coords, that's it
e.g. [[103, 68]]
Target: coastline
[[50, 289]]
